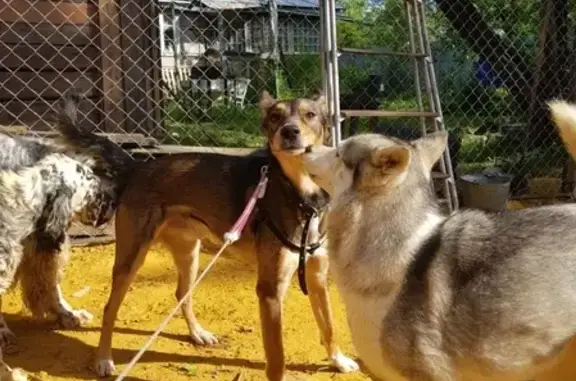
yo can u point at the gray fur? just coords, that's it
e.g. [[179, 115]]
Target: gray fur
[[111, 162], [41, 191], [17, 152], [472, 296], [51, 191]]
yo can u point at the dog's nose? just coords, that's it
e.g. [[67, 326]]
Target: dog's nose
[[290, 131]]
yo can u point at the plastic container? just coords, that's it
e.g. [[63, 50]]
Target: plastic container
[[488, 192]]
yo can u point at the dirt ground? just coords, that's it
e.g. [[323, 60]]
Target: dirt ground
[[225, 302]]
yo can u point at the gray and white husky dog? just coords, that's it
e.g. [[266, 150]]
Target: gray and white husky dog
[[471, 296]]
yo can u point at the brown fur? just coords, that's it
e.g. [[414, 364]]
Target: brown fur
[[39, 274], [183, 200]]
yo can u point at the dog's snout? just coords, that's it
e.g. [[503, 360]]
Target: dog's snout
[[290, 131]]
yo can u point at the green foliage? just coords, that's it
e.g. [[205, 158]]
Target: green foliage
[[479, 113], [221, 126], [350, 77], [354, 32], [303, 73]]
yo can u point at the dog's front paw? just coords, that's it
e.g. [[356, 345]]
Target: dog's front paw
[[345, 364], [7, 338], [202, 337], [74, 319], [104, 368], [16, 374]]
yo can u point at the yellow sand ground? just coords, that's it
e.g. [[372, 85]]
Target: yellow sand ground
[[225, 303]]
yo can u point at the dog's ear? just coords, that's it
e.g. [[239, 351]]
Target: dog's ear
[[315, 94], [57, 213], [431, 147], [321, 102], [266, 101], [392, 161]]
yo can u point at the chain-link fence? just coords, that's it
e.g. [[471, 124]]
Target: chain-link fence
[[166, 74], [183, 72], [497, 63], [156, 75]]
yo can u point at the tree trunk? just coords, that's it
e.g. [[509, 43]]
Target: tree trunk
[[505, 60], [551, 78]]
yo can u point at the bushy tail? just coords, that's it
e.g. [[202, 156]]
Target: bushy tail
[[110, 159], [564, 116]]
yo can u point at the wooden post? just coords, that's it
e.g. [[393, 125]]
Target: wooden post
[[161, 28], [141, 64], [155, 99], [111, 51], [221, 33], [248, 35]]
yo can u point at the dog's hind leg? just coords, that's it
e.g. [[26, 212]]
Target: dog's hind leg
[[186, 252], [317, 282], [134, 236]]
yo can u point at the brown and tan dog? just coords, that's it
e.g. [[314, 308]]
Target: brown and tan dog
[[181, 200]]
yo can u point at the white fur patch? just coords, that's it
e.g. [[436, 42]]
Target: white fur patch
[[344, 364], [329, 172], [342, 179], [366, 314], [365, 318], [421, 233], [26, 188], [81, 183]]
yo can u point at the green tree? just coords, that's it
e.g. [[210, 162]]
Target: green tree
[[352, 31]]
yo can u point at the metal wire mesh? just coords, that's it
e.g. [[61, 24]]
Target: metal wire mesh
[[168, 74], [497, 63], [184, 72]]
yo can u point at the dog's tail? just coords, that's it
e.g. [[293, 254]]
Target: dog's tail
[[110, 159], [564, 116]]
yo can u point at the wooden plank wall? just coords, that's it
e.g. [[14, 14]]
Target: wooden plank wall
[[46, 47], [107, 49]]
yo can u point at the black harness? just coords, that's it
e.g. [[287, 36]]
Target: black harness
[[310, 209]]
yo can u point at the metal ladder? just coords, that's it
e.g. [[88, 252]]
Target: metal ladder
[[421, 56]]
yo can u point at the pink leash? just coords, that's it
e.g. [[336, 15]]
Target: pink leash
[[234, 234], [230, 237]]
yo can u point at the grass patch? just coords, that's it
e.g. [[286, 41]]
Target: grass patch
[[219, 126]]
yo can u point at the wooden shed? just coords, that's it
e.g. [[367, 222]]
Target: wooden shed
[[107, 49]]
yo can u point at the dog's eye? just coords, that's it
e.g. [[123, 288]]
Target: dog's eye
[[337, 154], [274, 117], [310, 115]]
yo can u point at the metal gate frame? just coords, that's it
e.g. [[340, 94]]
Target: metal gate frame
[[329, 63]]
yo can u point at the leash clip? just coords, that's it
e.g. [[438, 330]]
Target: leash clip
[[233, 234]]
